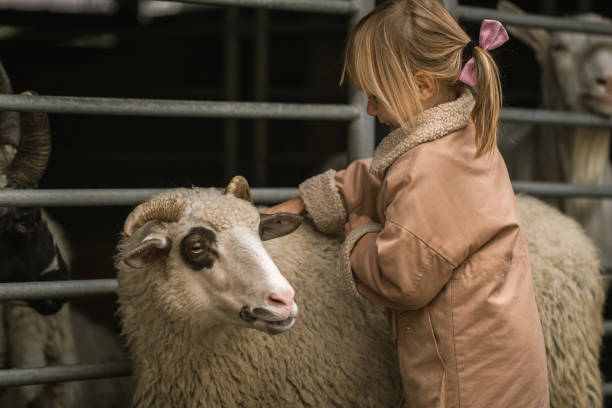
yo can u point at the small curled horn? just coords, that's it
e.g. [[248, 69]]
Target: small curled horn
[[163, 209], [33, 151], [239, 187], [10, 131]]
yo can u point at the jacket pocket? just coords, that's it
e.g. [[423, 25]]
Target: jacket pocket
[[421, 364], [435, 339]]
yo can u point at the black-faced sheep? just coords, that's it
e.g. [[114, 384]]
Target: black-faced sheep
[[40, 333], [193, 274]]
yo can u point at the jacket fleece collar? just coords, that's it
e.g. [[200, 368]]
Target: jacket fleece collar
[[430, 125]]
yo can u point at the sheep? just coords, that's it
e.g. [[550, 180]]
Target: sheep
[[184, 322], [33, 248], [28, 339], [570, 297], [576, 75], [183, 314]]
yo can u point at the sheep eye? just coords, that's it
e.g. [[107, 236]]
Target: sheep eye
[[198, 248]]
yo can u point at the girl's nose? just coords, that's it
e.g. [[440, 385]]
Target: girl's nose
[[371, 108]]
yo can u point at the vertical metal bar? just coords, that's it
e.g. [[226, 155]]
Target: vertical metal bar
[[451, 5], [361, 130], [261, 94], [231, 86]]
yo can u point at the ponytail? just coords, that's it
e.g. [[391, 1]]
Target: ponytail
[[487, 101]]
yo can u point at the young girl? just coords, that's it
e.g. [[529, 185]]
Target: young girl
[[433, 231]]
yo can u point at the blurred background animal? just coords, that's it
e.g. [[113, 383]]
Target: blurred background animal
[[33, 247], [575, 75]]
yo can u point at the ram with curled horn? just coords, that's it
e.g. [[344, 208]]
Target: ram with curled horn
[[30, 247], [33, 248]]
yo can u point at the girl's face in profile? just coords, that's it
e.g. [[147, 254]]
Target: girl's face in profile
[[375, 108]]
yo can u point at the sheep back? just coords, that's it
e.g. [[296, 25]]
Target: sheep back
[[570, 296]]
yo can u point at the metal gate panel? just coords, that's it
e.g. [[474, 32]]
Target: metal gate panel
[[361, 136]]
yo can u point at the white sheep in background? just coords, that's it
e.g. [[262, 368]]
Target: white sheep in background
[[576, 75], [193, 274]]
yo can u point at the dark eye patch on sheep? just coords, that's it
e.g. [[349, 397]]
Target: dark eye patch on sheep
[[198, 248]]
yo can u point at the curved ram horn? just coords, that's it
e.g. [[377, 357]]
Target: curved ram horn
[[33, 151], [163, 209], [9, 121], [10, 130], [239, 187]]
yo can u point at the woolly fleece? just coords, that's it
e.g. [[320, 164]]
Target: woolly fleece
[[570, 297], [338, 354]]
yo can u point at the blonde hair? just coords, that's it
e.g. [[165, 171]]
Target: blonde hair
[[401, 37]]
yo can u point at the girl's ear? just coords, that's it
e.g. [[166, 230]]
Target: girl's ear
[[426, 87]]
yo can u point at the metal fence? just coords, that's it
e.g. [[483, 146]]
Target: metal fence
[[360, 144]]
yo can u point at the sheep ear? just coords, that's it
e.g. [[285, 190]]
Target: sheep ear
[[277, 225], [150, 249], [239, 187], [536, 38]]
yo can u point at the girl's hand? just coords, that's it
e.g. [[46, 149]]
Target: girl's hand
[[293, 206]]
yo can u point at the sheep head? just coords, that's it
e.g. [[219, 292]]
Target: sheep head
[[203, 250], [578, 66], [27, 246], [30, 253]]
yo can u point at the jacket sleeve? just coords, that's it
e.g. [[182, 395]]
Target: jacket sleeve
[[393, 267], [329, 197]]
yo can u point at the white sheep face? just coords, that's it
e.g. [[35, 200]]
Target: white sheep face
[[582, 64], [214, 273], [578, 64]]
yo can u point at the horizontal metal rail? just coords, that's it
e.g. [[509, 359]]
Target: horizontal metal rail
[[129, 197], [81, 288], [608, 327], [251, 110], [53, 374], [316, 6], [560, 189], [78, 372], [607, 389], [541, 116], [114, 197], [477, 14], [176, 108], [58, 289]]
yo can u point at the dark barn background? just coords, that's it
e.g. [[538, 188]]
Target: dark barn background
[[182, 57]]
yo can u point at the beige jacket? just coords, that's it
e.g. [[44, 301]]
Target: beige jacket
[[444, 249]]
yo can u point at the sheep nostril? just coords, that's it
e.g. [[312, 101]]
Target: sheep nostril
[[278, 300]]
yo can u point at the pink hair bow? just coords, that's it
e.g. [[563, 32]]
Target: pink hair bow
[[492, 35]]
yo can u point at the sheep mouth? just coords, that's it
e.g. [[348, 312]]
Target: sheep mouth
[[279, 326], [269, 324]]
